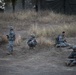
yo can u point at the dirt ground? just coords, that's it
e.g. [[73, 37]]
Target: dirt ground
[[43, 60], [40, 61]]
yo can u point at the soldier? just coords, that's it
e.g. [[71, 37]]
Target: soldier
[[32, 42], [11, 39], [61, 41], [72, 57]]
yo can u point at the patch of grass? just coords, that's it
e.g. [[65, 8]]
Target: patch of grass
[[43, 33], [45, 41], [34, 23], [52, 31], [42, 17], [28, 15]]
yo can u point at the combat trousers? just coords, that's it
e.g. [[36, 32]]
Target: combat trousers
[[10, 46], [63, 44]]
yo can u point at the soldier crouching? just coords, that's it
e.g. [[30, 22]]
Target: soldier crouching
[[11, 39], [32, 42]]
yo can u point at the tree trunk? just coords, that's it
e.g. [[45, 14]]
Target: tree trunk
[[36, 6], [23, 4], [13, 5]]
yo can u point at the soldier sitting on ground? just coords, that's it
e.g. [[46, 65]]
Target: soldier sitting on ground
[[32, 42], [11, 39], [72, 57], [61, 41]]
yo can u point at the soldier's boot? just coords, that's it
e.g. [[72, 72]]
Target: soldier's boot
[[69, 63], [8, 54], [73, 63]]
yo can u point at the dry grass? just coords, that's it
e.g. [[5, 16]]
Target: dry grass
[[28, 15], [43, 33], [18, 39], [53, 31], [42, 17], [7, 17], [45, 41], [56, 23]]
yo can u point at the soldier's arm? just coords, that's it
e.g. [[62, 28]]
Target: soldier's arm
[[14, 37], [35, 41], [29, 40], [7, 36], [64, 39]]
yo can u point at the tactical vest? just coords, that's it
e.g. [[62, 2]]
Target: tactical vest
[[11, 37]]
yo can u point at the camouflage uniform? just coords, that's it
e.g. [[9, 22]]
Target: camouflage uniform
[[11, 39], [61, 42], [32, 42], [72, 57]]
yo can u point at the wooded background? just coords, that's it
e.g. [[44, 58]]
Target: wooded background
[[63, 6]]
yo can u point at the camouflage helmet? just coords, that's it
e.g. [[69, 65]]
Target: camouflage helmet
[[32, 35]]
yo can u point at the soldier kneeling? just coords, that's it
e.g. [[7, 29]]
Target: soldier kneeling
[[72, 58], [32, 42], [61, 41]]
